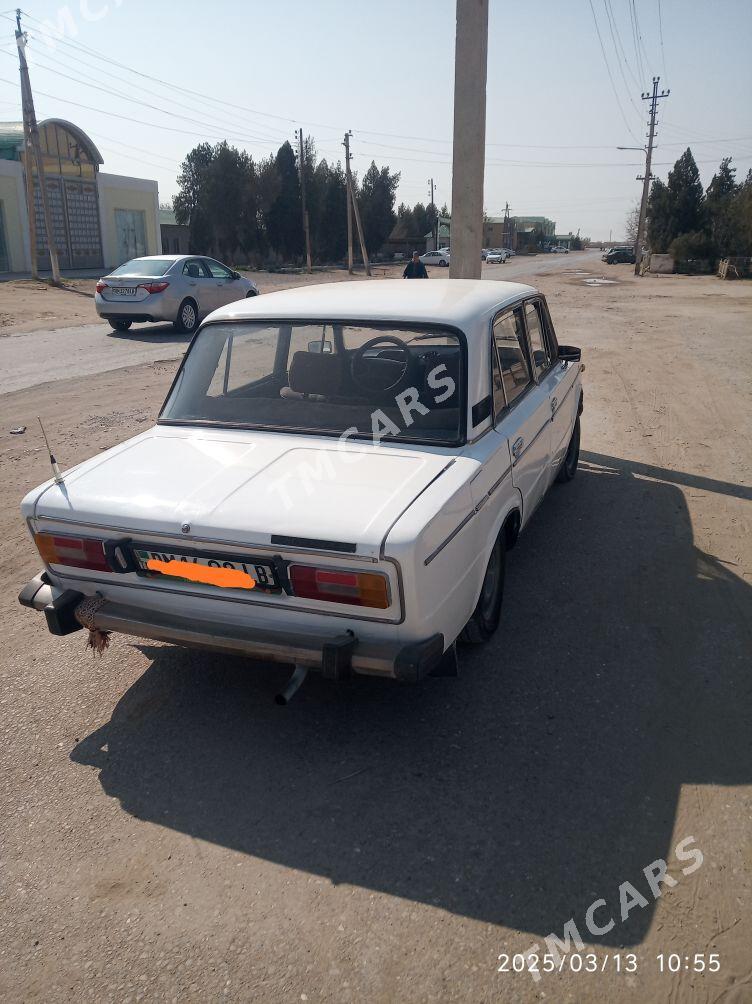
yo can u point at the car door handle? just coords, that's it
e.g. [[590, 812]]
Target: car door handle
[[517, 446], [193, 284]]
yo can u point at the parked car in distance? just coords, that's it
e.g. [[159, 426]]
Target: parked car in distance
[[496, 256], [510, 252], [440, 257], [558, 249], [333, 481], [177, 288], [617, 256]]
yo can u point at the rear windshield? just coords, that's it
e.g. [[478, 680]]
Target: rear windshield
[[146, 267], [357, 380]]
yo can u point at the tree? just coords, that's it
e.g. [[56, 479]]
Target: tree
[[678, 207], [659, 235], [720, 202], [284, 218], [188, 203], [332, 237], [632, 223], [376, 203], [743, 216]]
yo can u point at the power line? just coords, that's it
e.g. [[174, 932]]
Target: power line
[[610, 75], [660, 32]]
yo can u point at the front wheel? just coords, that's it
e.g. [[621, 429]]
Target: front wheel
[[443, 263], [569, 468], [120, 325], [487, 613], [187, 319]]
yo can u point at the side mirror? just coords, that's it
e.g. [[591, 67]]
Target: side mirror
[[234, 275], [569, 354]]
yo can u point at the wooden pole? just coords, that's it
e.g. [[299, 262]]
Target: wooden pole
[[30, 117], [353, 200], [349, 204], [306, 226]]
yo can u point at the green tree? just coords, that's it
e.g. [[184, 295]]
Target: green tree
[[678, 207], [743, 216], [721, 203], [376, 203], [659, 230], [284, 218], [332, 238], [189, 203]]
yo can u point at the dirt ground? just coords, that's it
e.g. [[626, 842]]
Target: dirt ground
[[168, 833]]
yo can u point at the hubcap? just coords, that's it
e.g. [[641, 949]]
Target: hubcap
[[189, 316]]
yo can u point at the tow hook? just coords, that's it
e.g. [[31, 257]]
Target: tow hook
[[293, 684]]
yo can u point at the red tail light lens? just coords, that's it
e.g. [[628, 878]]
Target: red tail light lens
[[154, 287], [359, 589], [79, 552], [101, 284]]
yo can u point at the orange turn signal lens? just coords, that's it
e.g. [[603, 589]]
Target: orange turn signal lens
[[359, 589]]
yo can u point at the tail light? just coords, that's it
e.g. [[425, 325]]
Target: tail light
[[79, 552], [359, 589], [101, 285], [154, 287]]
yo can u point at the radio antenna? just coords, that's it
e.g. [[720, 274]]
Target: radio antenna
[[53, 462]]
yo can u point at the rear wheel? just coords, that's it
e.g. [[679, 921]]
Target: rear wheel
[[120, 325], [443, 262], [487, 613], [187, 318], [569, 468], [250, 293]]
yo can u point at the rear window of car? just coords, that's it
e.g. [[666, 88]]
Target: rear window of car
[[357, 380], [148, 268]]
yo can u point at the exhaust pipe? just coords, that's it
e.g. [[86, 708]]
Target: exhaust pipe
[[293, 685]]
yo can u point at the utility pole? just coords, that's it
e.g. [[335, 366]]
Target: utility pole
[[506, 238], [352, 201], [435, 224], [653, 98], [349, 204], [468, 155], [306, 225], [30, 124]]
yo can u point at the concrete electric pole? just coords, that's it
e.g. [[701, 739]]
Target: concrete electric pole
[[353, 202], [468, 156], [306, 225], [653, 98], [31, 136], [435, 223]]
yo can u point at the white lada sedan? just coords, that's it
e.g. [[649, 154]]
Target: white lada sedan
[[333, 481]]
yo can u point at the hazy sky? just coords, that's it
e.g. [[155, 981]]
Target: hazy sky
[[385, 70]]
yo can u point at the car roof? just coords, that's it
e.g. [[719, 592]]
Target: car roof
[[462, 303]]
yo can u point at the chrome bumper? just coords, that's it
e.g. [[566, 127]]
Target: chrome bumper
[[336, 656]]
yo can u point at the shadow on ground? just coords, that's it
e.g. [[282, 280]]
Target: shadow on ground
[[541, 779], [150, 333]]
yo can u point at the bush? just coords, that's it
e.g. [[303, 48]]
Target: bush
[[692, 246]]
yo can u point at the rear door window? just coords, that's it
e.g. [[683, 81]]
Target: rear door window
[[509, 339], [536, 331]]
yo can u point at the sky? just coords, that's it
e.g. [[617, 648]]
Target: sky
[[253, 72]]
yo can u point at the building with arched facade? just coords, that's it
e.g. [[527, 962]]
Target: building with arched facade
[[99, 220]]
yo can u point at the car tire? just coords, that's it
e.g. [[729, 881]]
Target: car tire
[[487, 613], [250, 293], [120, 325], [568, 467], [187, 320], [443, 263]]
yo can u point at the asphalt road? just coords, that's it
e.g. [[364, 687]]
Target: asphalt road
[[35, 357], [168, 833]]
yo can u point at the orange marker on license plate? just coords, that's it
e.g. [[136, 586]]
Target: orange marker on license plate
[[230, 578]]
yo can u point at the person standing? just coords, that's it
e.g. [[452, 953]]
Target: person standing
[[415, 269]]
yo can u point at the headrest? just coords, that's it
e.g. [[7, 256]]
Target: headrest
[[193, 270], [316, 373]]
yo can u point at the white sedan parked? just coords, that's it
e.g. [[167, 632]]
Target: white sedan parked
[[440, 257], [177, 288], [496, 256], [333, 481]]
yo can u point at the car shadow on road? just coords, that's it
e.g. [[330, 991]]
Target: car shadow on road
[[540, 780], [151, 333]]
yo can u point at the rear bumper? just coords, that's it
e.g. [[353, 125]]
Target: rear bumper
[[336, 656], [154, 307]]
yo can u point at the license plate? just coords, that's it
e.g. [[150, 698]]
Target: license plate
[[123, 290], [209, 570]]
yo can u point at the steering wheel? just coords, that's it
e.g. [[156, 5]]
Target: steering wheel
[[370, 385]]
